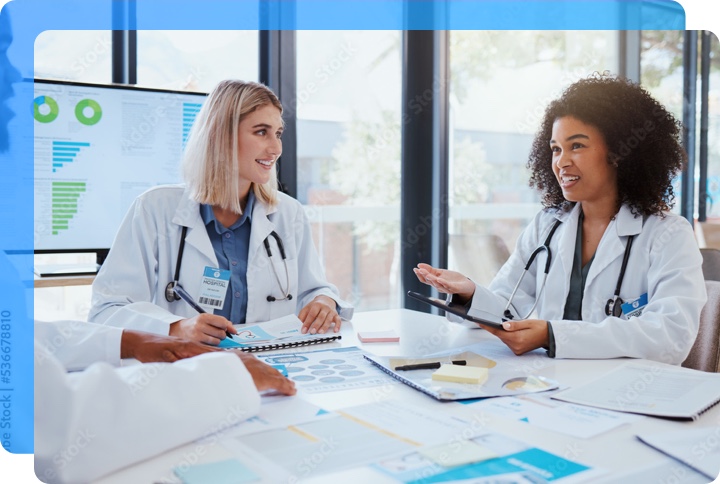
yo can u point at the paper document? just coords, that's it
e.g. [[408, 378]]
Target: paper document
[[350, 438], [329, 370], [650, 388], [515, 462], [566, 418], [698, 448]]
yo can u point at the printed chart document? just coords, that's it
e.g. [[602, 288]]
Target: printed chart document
[[396, 441], [351, 438], [649, 388], [329, 370], [698, 448], [514, 462], [566, 418], [274, 334]]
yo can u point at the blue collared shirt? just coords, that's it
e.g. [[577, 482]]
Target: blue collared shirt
[[231, 249]]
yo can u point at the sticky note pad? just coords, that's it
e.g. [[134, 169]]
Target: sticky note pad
[[229, 471], [378, 336], [457, 453], [461, 374]]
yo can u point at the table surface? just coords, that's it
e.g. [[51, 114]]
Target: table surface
[[617, 451]]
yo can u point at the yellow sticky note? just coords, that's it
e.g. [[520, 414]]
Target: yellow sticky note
[[461, 374], [457, 453]]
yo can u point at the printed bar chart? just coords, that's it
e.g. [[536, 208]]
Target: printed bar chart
[[190, 111], [65, 152], [65, 195]]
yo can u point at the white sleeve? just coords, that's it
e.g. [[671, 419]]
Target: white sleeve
[[62, 338], [124, 288], [311, 277], [91, 423]]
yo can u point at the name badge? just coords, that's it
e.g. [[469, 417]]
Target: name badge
[[635, 308], [213, 288]]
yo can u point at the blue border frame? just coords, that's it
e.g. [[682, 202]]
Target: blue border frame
[[31, 17]]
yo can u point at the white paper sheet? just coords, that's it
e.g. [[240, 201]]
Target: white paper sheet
[[698, 448], [570, 419]]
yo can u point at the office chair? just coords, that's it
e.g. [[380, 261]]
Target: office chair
[[705, 353], [477, 256], [711, 264]]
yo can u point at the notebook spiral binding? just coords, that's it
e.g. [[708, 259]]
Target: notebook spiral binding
[[402, 379], [291, 344]]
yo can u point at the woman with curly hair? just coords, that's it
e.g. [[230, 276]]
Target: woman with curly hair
[[625, 276]]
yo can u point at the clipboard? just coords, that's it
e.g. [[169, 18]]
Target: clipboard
[[456, 309]]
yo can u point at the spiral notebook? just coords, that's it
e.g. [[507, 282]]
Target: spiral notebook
[[650, 388], [274, 335], [503, 379]]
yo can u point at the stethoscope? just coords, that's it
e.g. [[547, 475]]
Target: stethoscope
[[170, 295], [613, 306]]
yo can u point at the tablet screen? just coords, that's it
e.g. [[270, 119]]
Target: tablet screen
[[456, 309]]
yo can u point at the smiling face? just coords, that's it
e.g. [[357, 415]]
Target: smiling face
[[260, 146], [580, 162]]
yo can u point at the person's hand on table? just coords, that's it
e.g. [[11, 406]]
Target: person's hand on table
[[148, 348], [445, 281], [265, 376], [319, 316], [205, 328], [522, 336]]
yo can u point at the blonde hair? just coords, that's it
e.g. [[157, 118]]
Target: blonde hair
[[210, 164]]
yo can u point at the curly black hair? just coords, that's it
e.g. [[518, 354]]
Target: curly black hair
[[642, 137]]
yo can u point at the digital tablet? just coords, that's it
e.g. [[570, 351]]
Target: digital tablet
[[456, 309]]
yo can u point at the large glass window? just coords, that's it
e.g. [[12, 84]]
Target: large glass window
[[195, 60], [662, 74], [348, 112], [72, 55], [713, 206], [500, 85]]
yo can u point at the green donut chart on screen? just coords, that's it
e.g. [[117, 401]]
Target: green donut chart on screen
[[48, 117], [80, 112]]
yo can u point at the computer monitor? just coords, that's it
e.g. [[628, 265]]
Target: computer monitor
[[97, 147]]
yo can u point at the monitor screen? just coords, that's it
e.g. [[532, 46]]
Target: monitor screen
[[97, 147]]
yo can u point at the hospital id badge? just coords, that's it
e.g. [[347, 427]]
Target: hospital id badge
[[213, 288], [635, 308]]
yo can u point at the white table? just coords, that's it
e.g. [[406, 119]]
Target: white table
[[617, 451]]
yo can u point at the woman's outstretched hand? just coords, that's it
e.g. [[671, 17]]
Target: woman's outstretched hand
[[448, 282]]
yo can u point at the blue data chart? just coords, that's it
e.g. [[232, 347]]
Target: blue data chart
[[190, 111], [65, 152]]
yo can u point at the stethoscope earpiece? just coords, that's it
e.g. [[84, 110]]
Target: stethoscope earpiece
[[613, 307], [170, 295]]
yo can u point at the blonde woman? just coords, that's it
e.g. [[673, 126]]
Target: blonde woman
[[241, 250]]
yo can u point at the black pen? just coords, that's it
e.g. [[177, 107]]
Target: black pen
[[427, 366], [178, 289]]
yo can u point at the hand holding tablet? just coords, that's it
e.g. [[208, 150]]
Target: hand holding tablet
[[456, 309]]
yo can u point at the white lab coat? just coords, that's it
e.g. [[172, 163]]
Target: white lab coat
[[129, 290], [93, 422], [664, 262]]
